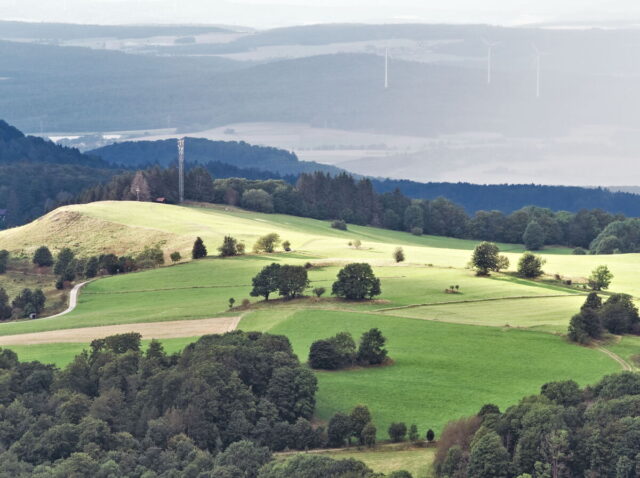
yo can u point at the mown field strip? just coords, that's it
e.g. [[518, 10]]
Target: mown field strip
[[470, 301], [149, 330]]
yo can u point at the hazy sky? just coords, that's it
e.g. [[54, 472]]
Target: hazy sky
[[269, 13]]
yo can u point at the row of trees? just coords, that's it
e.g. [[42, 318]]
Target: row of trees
[[232, 247], [340, 351], [355, 281], [563, 432], [347, 200], [67, 266]]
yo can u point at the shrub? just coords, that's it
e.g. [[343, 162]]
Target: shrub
[[339, 224], [240, 248], [413, 433], [43, 257], [199, 249], [357, 243], [319, 291], [398, 255], [229, 247], [286, 245], [368, 436], [231, 302], [267, 243], [579, 251], [417, 231], [175, 257], [323, 356], [397, 432], [245, 303], [430, 436], [151, 255], [356, 282]]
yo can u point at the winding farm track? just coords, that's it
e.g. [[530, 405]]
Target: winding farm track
[[149, 330], [73, 300], [623, 363]]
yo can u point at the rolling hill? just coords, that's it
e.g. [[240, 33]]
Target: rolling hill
[[502, 319]]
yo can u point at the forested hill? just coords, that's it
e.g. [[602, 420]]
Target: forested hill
[[239, 154], [511, 197], [38, 175], [279, 163], [15, 146]]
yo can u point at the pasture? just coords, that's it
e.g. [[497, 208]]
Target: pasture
[[494, 341]]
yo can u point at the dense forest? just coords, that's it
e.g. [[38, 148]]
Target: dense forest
[[563, 432], [472, 197], [342, 197]]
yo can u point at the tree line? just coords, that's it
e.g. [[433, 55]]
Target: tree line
[[562, 432], [344, 198]]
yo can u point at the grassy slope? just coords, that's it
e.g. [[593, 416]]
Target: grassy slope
[[441, 370], [416, 461]]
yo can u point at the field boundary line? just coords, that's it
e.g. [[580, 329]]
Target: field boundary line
[[472, 301]]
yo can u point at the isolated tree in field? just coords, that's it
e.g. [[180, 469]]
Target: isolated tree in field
[[533, 237], [199, 249], [4, 261], [231, 302], [600, 278], [486, 258], [360, 416], [286, 245], [5, 308], [63, 261], [357, 243], [266, 281], [368, 436], [398, 255], [371, 350], [43, 257], [414, 436], [175, 257], [530, 265], [292, 281], [339, 429], [140, 190], [430, 436], [397, 432], [319, 291], [356, 282], [267, 243], [229, 247]]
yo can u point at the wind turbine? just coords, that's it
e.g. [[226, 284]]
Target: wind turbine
[[386, 68], [490, 46], [538, 56]]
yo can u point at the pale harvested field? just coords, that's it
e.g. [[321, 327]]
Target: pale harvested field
[[152, 330]]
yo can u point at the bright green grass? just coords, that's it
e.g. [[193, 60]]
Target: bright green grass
[[441, 370], [201, 289], [416, 461], [627, 348], [547, 313], [63, 353]]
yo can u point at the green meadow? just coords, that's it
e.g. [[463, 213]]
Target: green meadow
[[496, 340]]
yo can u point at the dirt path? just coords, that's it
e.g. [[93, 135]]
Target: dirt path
[[623, 363], [73, 300], [152, 330]]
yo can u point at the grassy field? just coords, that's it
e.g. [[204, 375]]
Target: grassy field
[[386, 459], [440, 370], [495, 341]]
